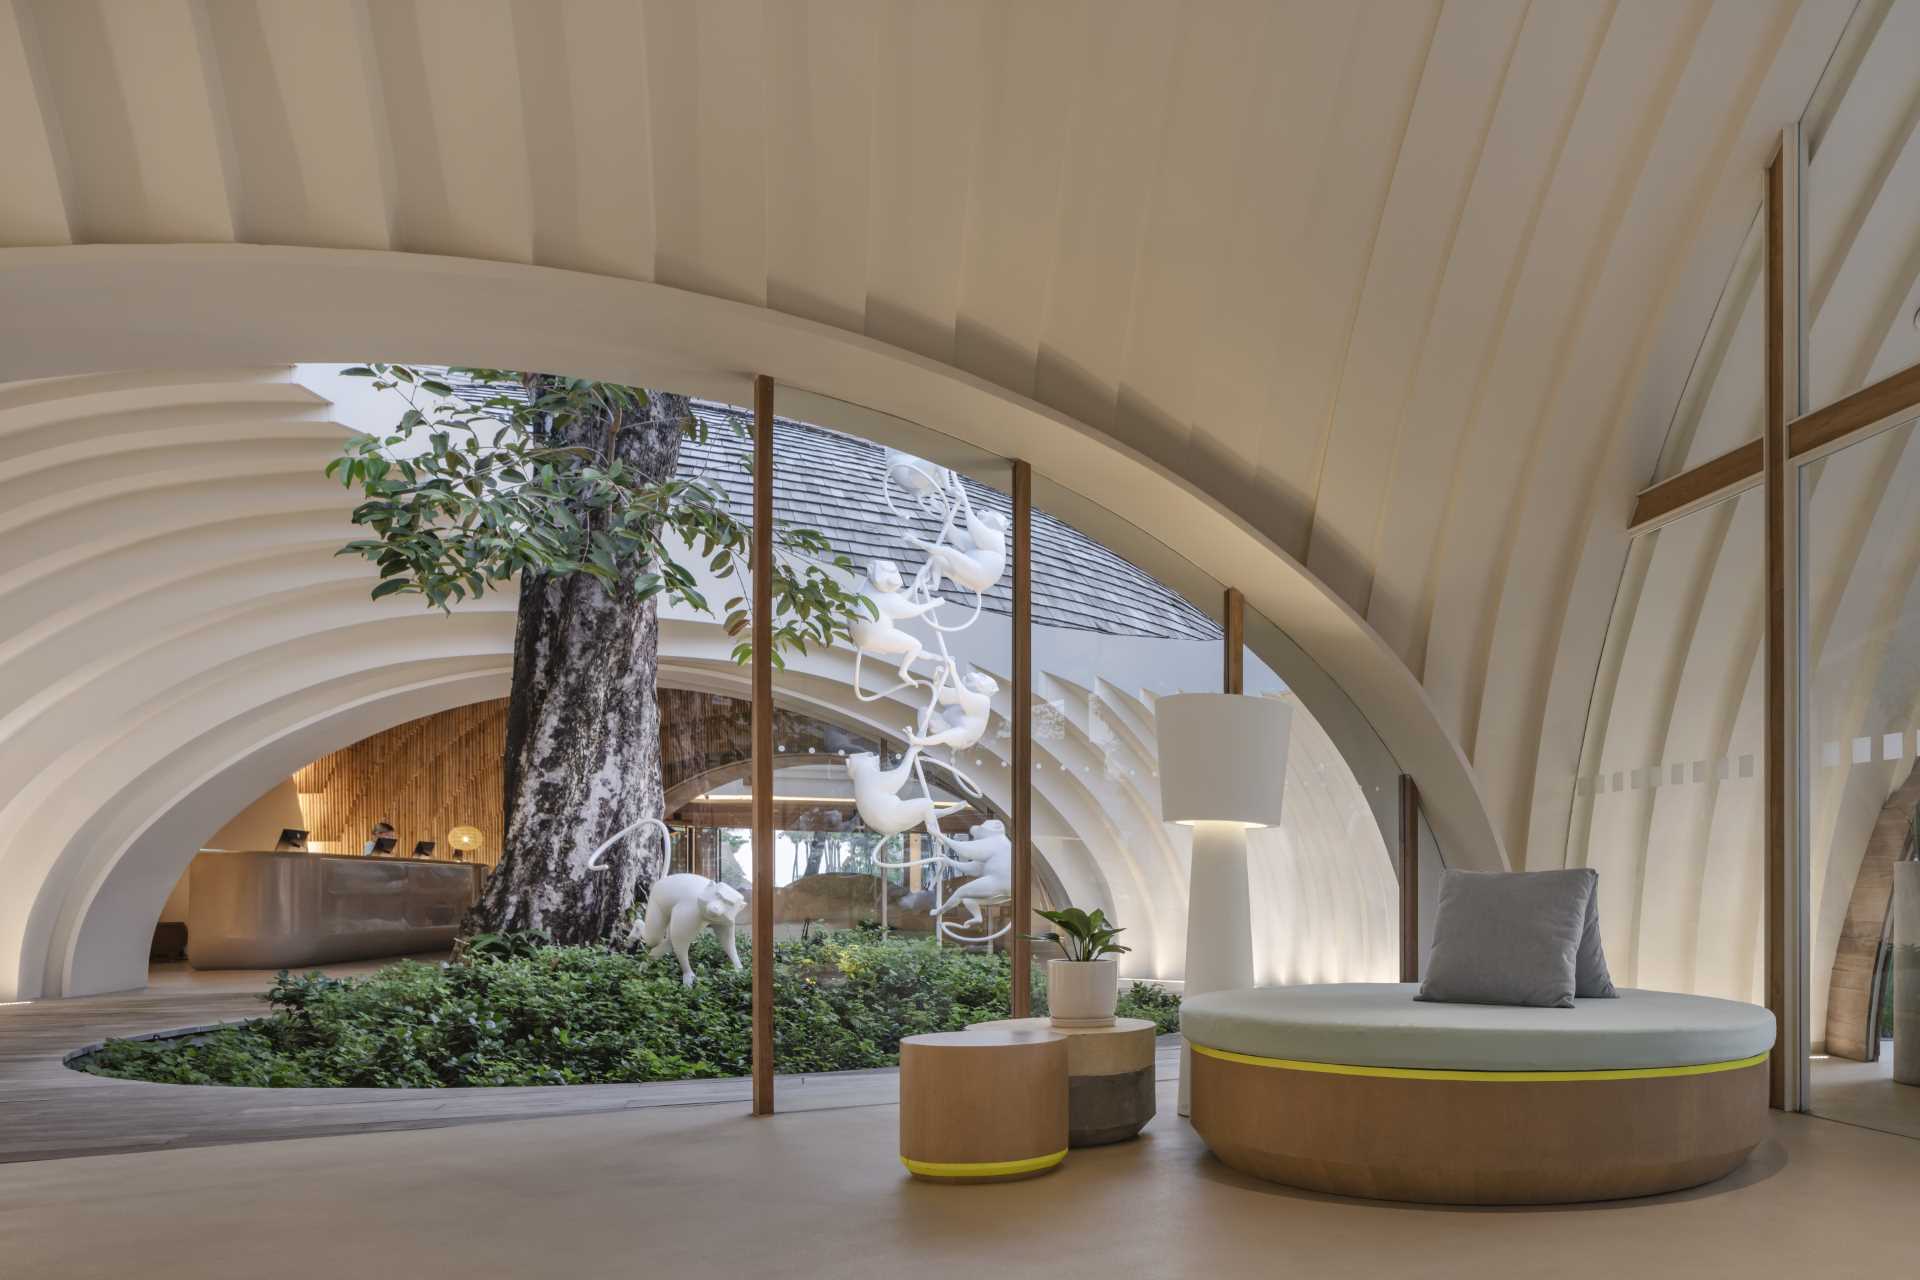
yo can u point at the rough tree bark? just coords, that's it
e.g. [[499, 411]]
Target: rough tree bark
[[583, 730]]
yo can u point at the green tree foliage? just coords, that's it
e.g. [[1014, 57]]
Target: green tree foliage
[[465, 496], [523, 1013]]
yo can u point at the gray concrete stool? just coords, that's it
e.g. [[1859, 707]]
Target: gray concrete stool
[[1109, 1077]]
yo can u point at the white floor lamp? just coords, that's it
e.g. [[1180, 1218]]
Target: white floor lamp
[[1223, 769]]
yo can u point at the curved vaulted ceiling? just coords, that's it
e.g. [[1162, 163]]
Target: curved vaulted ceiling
[[1408, 289]]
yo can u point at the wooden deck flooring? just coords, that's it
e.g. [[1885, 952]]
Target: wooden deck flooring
[[49, 1111]]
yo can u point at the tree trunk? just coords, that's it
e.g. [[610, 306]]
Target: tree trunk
[[583, 730]]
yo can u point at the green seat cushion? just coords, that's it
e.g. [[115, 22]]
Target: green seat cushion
[[1382, 1025]]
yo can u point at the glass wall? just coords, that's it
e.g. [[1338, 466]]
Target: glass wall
[[1724, 403], [1325, 882], [1322, 885], [1858, 618], [923, 710], [1861, 278], [1668, 802], [1861, 699], [871, 898], [1109, 641]]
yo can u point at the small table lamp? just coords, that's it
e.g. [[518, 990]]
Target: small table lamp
[[464, 841], [1223, 768]]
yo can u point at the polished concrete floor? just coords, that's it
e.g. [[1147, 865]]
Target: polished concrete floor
[[677, 1179], [1864, 1093], [708, 1191]]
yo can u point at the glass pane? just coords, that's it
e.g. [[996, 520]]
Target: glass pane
[[1667, 804], [1324, 884], [1862, 285], [706, 743], [1127, 631], [1110, 640], [1861, 529], [1724, 403], [1120, 623], [888, 746]]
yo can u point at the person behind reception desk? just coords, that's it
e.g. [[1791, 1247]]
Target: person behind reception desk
[[384, 838]]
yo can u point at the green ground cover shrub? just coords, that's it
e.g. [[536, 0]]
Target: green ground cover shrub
[[542, 1014]]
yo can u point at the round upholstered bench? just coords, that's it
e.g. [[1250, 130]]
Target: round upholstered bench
[[1359, 1089]]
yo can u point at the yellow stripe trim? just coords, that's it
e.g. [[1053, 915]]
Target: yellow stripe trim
[[1507, 1077], [989, 1169]]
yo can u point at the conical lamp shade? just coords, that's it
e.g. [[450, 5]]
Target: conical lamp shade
[[1223, 757]]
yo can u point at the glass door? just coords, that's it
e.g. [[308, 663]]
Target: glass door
[[1860, 620]]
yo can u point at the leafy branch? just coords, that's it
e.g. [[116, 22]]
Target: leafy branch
[[535, 477]]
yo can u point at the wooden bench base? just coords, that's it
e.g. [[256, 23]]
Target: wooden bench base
[[1463, 1137]]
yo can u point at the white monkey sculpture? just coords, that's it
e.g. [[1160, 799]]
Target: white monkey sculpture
[[988, 858], [973, 696], [969, 551], [882, 635], [918, 479], [974, 561], [679, 907], [876, 794]]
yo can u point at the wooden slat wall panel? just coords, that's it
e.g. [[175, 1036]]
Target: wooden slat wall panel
[[426, 777]]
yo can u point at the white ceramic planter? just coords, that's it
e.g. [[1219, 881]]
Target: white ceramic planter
[[1081, 993]]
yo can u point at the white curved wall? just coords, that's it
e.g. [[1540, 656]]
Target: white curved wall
[[177, 635]]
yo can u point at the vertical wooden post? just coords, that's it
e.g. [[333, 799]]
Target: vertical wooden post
[[1409, 879], [1233, 657], [1022, 781], [1785, 958], [762, 580]]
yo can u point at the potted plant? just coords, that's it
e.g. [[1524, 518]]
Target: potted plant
[[1082, 989]]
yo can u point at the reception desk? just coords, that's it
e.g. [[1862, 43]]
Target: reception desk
[[248, 910]]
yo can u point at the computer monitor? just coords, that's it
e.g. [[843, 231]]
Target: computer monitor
[[292, 840], [423, 849]]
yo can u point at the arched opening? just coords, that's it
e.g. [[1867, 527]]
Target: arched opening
[[131, 300], [1112, 639], [256, 634]]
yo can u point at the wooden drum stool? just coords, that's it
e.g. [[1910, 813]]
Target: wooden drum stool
[[985, 1105], [1109, 1077]]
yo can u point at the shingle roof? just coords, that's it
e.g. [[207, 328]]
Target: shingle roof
[[829, 481]]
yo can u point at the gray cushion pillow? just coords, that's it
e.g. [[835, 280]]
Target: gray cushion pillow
[[1591, 981], [1509, 937]]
